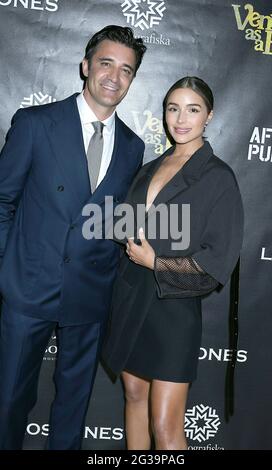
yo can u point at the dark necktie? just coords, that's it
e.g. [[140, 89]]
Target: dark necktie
[[94, 153]]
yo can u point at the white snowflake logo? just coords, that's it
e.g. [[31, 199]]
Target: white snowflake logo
[[143, 13], [36, 99], [201, 423]]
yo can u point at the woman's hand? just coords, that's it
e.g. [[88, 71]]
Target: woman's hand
[[141, 254]]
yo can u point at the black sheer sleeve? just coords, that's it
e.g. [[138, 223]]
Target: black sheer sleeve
[[214, 261], [181, 277]]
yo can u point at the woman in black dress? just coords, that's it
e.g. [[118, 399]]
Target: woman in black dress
[[155, 328]]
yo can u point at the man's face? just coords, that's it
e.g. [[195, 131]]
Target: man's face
[[109, 76]]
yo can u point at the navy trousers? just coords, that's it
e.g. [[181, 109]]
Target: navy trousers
[[22, 346]]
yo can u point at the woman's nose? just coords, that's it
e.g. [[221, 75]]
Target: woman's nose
[[181, 116]]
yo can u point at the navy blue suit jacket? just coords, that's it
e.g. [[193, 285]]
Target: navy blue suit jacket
[[48, 269]]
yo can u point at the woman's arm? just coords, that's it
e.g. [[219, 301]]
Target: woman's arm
[[213, 264]]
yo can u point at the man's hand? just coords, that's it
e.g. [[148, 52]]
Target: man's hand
[[141, 254]]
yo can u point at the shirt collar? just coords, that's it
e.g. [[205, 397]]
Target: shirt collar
[[87, 115]]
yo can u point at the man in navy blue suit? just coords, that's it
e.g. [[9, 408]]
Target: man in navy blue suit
[[51, 277]]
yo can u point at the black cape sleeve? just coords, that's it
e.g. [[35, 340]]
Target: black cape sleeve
[[213, 264]]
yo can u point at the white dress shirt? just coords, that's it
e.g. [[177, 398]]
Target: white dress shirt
[[87, 116]]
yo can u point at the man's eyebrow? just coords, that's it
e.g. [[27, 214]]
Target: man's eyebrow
[[129, 67], [105, 58], [109, 59]]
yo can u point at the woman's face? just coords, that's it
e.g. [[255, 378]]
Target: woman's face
[[186, 116]]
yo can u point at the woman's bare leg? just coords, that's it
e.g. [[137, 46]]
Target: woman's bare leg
[[137, 411], [168, 402]]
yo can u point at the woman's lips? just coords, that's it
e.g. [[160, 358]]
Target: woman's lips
[[181, 130]]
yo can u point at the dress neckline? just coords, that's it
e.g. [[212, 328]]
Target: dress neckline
[[152, 174]]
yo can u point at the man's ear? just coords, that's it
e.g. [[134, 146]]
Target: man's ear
[[85, 68]]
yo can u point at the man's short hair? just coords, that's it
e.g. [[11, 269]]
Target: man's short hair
[[123, 35]]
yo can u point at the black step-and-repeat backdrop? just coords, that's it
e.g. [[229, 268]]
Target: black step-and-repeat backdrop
[[229, 45]]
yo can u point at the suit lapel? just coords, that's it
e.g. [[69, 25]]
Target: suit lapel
[[175, 186], [65, 134]]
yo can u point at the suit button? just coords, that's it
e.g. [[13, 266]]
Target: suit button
[[67, 259], [60, 188], [93, 263], [72, 227]]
